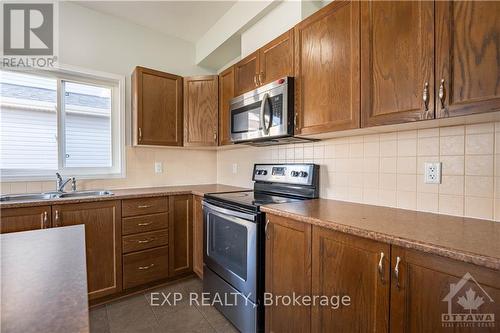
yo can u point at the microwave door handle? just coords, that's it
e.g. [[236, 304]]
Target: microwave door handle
[[263, 125]]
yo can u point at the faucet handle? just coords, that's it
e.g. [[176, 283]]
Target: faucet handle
[[73, 184]]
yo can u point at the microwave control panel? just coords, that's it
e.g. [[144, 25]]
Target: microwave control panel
[[284, 173]]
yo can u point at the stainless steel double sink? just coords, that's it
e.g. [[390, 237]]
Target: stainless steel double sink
[[53, 195]]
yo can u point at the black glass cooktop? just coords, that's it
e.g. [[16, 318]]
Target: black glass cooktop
[[250, 199]]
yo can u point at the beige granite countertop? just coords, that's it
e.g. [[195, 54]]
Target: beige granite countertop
[[131, 193], [466, 239]]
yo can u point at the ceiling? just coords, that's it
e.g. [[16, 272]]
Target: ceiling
[[188, 20]]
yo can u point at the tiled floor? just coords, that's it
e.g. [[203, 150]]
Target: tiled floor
[[135, 314]]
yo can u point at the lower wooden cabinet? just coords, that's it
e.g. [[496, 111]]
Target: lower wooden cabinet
[[102, 222], [24, 219], [145, 266], [198, 236], [390, 289], [288, 271], [180, 234], [358, 268]]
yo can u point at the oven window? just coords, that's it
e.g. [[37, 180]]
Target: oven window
[[246, 118], [228, 245]]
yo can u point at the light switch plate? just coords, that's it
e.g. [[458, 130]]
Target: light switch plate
[[158, 167], [432, 173]]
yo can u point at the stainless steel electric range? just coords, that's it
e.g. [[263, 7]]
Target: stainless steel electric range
[[234, 241]]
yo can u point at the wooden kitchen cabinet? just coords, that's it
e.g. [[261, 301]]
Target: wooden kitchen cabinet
[[245, 74], [180, 232], [467, 53], [397, 61], [327, 69], [345, 265], [201, 110], [157, 108], [102, 221], [288, 270], [276, 58], [198, 236], [428, 286], [226, 93], [24, 219]]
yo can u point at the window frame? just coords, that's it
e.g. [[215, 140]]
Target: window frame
[[89, 77]]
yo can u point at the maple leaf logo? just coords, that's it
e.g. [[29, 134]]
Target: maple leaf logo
[[470, 301]]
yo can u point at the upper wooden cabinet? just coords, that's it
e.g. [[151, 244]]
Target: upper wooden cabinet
[[102, 221], [397, 61], [327, 69], [226, 92], [467, 57], [272, 61], [358, 268], [201, 110], [157, 107], [24, 219]]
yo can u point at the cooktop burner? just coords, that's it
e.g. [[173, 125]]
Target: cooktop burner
[[250, 199]]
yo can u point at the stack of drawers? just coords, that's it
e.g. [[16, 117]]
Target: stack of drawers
[[144, 240]]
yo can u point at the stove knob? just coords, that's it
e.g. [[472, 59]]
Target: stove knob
[[303, 174], [264, 172], [258, 172]]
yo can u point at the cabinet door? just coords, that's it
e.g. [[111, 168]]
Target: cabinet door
[[429, 289], [397, 61], [226, 92], [467, 57], [245, 74], [201, 110], [24, 219], [180, 235], [102, 221], [276, 58], [288, 271], [157, 102], [198, 236], [327, 69], [345, 265]]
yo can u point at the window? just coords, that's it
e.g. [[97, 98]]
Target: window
[[60, 122]]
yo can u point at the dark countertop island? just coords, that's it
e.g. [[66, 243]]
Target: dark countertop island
[[44, 281]]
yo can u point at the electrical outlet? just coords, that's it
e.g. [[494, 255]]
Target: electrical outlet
[[235, 168], [432, 173], [158, 167]]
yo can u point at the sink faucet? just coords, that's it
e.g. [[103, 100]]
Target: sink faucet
[[60, 183]]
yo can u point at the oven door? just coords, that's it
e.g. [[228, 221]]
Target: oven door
[[262, 113], [230, 245]]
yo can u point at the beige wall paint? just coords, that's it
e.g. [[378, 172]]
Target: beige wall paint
[[387, 169]]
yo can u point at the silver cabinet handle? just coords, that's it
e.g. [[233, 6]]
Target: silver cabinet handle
[[255, 80], [57, 219], [143, 224], [381, 266], [145, 240], [44, 221], [140, 134], [261, 77], [265, 229], [442, 94], [426, 98], [396, 271], [215, 136], [145, 267], [144, 206]]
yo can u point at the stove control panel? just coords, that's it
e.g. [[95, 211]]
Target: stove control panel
[[284, 173]]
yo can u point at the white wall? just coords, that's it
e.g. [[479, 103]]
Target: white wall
[[96, 41]]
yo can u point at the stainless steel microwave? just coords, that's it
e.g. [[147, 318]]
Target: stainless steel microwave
[[265, 114]]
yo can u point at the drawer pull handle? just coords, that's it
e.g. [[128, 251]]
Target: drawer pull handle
[[145, 240], [143, 224], [144, 206], [381, 266], [396, 271], [145, 267]]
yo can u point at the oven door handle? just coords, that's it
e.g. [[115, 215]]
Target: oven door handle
[[263, 125], [229, 212]]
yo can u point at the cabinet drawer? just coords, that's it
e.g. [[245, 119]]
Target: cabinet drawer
[[133, 225], [145, 240], [141, 206], [145, 266]]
